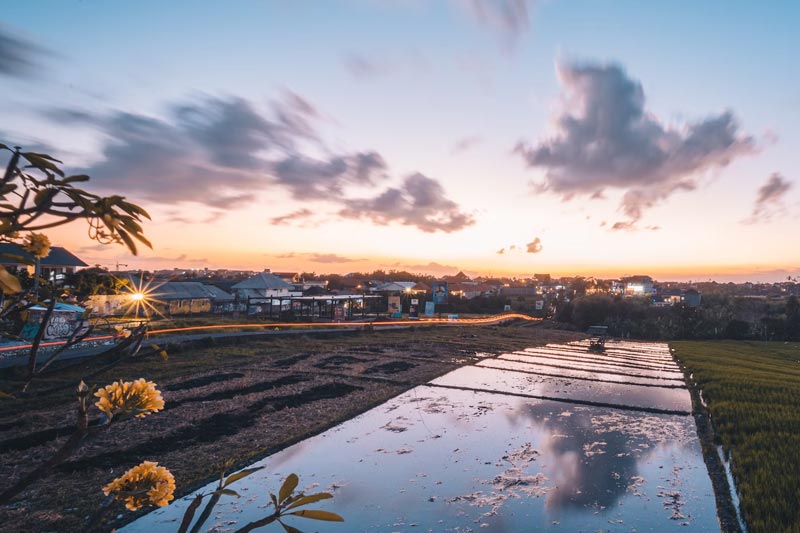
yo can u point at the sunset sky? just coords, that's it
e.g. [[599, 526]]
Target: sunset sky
[[491, 136]]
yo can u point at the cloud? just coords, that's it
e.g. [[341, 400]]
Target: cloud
[[769, 201], [607, 139], [18, 57], [465, 143], [428, 268], [420, 202], [369, 67], [363, 67], [210, 150], [535, 246], [287, 219], [318, 257], [309, 178], [510, 18], [331, 258]]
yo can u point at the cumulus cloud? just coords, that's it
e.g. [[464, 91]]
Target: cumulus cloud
[[769, 201], [607, 139], [510, 18], [534, 247], [420, 201], [18, 57]]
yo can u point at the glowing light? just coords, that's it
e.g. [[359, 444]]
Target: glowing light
[[142, 300]]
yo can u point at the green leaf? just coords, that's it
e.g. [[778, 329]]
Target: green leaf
[[75, 179], [189, 514], [227, 492], [311, 498], [9, 283], [239, 475], [127, 240], [288, 528], [43, 162], [42, 196], [44, 156], [316, 514], [288, 487]]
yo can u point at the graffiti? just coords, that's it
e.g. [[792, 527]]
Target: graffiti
[[58, 326]]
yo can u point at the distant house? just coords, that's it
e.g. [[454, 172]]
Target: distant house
[[187, 297], [692, 298], [523, 291], [638, 286], [55, 267], [394, 287], [263, 285]]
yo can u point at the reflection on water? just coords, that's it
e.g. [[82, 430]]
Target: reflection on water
[[437, 459]]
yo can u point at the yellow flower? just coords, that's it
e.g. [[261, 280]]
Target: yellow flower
[[129, 398], [37, 244], [145, 484]]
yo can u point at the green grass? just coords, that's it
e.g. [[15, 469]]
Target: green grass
[[753, 393]]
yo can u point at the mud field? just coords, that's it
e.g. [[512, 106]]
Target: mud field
[[224, 402]]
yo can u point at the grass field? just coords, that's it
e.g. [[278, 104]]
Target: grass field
[[753, 394]]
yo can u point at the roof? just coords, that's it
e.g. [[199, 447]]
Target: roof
[[395, 286], [188, 290], [262, 281], [60, 306], [58, 256]]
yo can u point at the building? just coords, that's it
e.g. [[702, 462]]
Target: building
[[638, 286], [263, 285], [55, 267]]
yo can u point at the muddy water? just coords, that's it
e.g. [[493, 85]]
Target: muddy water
[[448, 459]]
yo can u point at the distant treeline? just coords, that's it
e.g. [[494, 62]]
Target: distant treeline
[[719, 317]]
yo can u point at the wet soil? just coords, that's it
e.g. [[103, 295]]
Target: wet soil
[[226, 401]]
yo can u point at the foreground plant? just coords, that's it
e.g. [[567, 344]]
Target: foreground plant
[[119, 401], [129, 399], [286, 503], [143, 485]]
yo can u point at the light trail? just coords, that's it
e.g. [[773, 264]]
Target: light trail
[[298, 325]]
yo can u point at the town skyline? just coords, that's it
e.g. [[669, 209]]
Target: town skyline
[[498, 138]]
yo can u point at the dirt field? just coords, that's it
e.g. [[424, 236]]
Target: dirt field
[[224, 402]]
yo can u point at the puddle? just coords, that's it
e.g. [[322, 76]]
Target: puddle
[[441, 459]]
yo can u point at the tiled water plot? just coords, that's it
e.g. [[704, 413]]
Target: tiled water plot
[[476, 449]]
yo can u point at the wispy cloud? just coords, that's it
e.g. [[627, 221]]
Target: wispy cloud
[[606, 138], [769, 200], [509, 18], [372, 66], [208, 151], [18, 57], [466, 143]]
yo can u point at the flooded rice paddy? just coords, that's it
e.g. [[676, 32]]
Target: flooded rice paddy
[[553, 438]]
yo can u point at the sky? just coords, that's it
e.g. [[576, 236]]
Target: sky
[[505, 137]]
